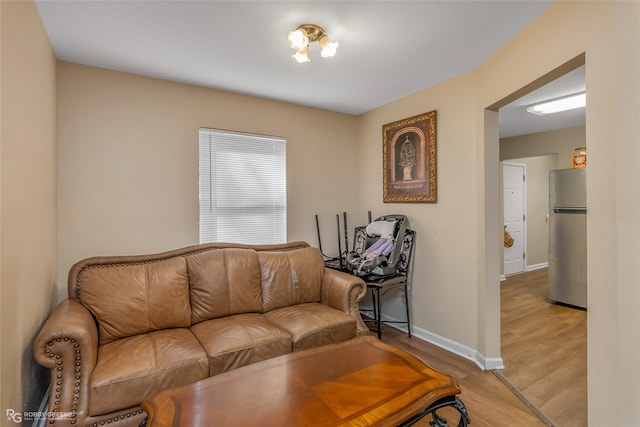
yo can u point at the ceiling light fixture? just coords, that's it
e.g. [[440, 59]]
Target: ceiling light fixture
[[301, 37], [565, 103]]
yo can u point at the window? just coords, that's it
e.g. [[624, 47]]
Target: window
[[242, 188]]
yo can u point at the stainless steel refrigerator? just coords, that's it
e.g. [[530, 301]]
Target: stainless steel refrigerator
[[568, 237]]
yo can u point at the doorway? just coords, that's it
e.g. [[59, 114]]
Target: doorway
[[529, 149], [514, 209]]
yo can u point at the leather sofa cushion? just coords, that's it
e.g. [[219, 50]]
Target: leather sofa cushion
[[133, 299], [313, 325], [239, 340], [135, 368], [289, 278], [224, 282]]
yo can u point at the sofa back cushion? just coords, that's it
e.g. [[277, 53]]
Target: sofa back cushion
[[131, 299], [224, 282], [292, 277]]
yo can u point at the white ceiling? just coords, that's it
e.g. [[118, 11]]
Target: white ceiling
[[515, 120], [388, 49]]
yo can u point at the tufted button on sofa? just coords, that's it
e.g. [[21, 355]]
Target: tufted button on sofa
[[135, 325]]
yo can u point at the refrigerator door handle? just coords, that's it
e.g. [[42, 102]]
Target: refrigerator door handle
[[569, 210]]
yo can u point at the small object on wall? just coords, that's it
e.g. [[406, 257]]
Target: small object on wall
[[579, 158], [508, 240]]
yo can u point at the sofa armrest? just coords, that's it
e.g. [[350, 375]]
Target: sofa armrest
[[343, 292], [68, 345]]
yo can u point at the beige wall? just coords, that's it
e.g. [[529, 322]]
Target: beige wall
[[561, 142], [28, 200], [129, 162], [445, 272]]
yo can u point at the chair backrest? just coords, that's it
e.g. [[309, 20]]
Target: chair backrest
[[398, 255], [404, 264]]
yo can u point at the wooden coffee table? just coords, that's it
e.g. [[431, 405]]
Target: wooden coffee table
[[361, 382]]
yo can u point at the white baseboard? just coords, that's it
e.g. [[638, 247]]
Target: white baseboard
[[527, 269], [484, 363], [537, 266]]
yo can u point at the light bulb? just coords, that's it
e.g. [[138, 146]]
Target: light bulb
[[298, 40], [301, 56], [329, 48], [557, 105]]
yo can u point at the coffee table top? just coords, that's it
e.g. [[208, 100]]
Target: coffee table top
[[360, 382]]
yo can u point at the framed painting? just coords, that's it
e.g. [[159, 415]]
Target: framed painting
[[409, 160]]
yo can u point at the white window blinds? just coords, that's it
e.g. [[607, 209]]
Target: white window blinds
[[242, 188]]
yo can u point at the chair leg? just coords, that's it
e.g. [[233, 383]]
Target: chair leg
[[375, 307], [378, 314], [406, 303]]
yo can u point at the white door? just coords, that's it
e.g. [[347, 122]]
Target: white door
[[514, 216]]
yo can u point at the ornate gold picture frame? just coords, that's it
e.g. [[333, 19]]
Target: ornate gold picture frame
[[409, 160]]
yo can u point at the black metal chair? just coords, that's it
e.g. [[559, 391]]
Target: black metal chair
[[381, 285]]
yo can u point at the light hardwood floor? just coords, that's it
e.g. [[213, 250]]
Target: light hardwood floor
[[489, 402], [544, 351], [544, 348]]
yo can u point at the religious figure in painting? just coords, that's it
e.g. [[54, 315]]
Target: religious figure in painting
[[407, 159]]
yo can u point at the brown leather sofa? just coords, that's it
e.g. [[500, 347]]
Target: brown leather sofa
[[133, 326]]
